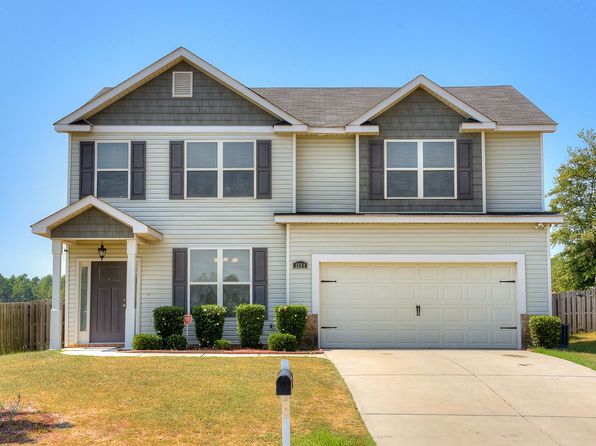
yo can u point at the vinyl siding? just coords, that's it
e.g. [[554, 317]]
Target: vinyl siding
[[209, 222], [325, 174], [513, 172], [306, 240]]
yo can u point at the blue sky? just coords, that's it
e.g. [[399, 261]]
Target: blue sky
[[58, 54]]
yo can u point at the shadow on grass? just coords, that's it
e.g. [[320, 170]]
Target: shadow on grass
[[26, 426], [583, 346]]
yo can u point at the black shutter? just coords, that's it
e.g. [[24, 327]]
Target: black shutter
[[375, 169], [464, 170], [263, 169], [259, 277], [176, 170], [137, 170], [86, 168], [179, 278]]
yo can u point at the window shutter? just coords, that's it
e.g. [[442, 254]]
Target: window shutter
[[263, 170], [176, 170], [86, 168], [180, 277], [375, 169], [464, 170], [137, 170], [259, 277]]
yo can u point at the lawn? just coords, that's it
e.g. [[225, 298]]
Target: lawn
[[582, 350], [73, 400]]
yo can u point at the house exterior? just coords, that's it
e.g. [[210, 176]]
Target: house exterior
[[401, 217]]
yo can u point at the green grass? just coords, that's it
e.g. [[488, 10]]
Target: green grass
[[582, 350], [72, 400]]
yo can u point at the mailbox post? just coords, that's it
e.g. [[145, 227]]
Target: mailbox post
[[283, 389]]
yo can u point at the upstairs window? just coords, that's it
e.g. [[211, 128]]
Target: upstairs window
[[113, 161], [420, 169], [182, 84], [220, 169]]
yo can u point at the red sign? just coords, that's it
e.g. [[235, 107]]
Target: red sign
[[187, 318]]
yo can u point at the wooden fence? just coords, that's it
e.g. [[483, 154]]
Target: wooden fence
[[25, 326], [576, 308]]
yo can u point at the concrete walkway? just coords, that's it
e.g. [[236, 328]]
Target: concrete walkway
[[478, 397]]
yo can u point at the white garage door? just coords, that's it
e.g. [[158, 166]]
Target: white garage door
[[427, 305]]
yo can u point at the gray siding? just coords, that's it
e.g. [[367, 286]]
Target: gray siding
[[211, 104], [420, 115], [92, 223]]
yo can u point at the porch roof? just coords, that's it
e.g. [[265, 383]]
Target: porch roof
[[138, 228]]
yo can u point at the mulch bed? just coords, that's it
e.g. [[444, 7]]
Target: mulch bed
[[233, 351]]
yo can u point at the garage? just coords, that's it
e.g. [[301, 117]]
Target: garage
[[418, 305]]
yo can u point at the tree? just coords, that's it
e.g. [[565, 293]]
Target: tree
[[22, 288], [574, 195]]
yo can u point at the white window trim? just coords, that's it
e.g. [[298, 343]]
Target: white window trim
[[420, 169], [220, 169], [127, 170], [219, 283], [174, 95]]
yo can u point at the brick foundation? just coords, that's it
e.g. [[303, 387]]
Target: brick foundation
[[311, 332], [525, 331]]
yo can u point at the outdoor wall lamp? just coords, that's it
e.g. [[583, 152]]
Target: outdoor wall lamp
[[101, 251]]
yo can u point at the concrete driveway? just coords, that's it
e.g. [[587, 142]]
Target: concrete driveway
[[470, 397]]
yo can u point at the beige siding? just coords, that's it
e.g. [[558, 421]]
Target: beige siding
[[514, 172], [244, 222], [423, 239], [325, 174]]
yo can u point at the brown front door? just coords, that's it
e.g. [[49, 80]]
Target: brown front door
[[108, 300]]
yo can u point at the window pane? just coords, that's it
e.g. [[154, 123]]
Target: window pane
[[236, 265], [438, 183], [203, 295], [438, 154], [112, 155], [203, 265], [201, 184], [238, 154], [202, 155], [238, 183], [402, 154], [112, 184], [402, 183], [83, 299], [234, 295]]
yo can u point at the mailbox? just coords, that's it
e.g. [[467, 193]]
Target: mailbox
[[284, 383]]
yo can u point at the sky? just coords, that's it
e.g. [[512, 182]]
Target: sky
[[56, 55]]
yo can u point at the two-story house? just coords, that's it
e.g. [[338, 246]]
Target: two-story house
[[401, 217]]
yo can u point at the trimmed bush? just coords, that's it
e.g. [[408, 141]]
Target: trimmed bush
[[209, 323], [176, 342], [291, 319], [545, 331], [223, 344], [168, 321], [282, 342], [145, 341], [251, 318]]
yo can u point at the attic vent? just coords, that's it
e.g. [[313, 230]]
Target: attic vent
[[182, 84]]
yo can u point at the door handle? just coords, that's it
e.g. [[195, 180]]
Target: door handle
[[417, 310]]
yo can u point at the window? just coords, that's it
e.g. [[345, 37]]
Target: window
[[182, 84], [113, 159], [220, 169], [420, 169], [220, 276], [84, 281]]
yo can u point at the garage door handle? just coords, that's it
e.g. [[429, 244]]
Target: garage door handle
[[326, 328], [328, 281], [506, 281], [508, 328]]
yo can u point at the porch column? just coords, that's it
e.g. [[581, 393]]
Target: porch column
[[55, 314], [131, 275]]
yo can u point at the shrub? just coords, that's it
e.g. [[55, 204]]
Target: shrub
[[223, 344], [145, 341], [209, 323], [282, 342], [291, 319], [168, 321], [545, 331], [251, 318], [176, 342]]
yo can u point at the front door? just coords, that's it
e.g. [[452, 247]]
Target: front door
[[108, 301]]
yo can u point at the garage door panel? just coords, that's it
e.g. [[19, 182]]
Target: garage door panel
[[431, 293], [479, 295], [454, 315], [405, 294]]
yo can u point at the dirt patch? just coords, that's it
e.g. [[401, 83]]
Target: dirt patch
[[28, 425]]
